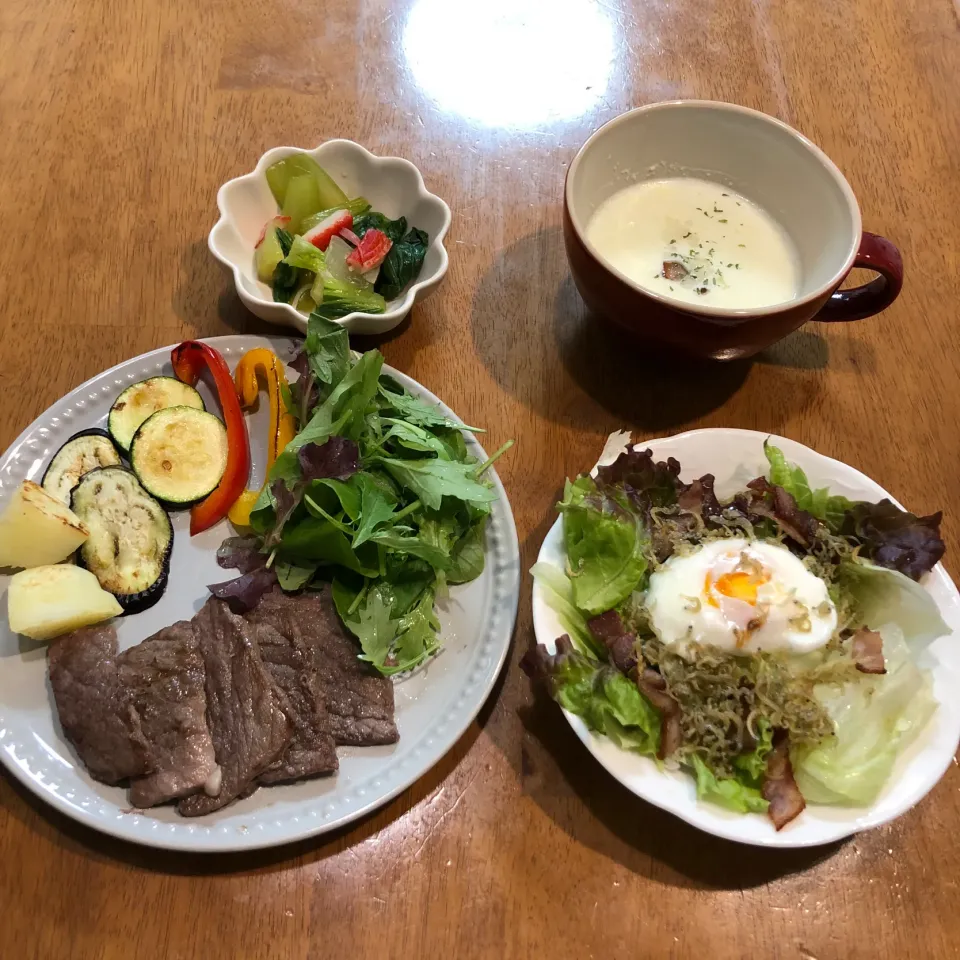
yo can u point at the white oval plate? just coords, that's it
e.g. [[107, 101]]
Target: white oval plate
[[435, 705], [735, 457]]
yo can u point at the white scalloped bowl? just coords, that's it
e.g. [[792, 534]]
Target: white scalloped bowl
[[736, 457], [393, 186]]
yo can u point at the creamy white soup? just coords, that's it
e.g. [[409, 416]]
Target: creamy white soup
[[698, 242]]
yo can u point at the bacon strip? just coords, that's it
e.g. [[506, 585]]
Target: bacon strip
[[609, 629], [867, 651], [779, 787], [674, 270], [654, 688], [774, 502]]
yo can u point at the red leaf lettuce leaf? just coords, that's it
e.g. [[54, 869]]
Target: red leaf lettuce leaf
[[894, 538]]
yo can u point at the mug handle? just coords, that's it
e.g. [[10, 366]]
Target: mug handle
[[875, 253]]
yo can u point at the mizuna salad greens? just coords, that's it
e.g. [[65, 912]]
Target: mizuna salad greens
[[376, 494], [329, 254], [766, 644]]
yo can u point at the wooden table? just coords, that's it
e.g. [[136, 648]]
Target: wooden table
[[121, 119]]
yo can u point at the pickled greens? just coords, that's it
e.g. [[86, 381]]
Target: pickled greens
[[316, 215]]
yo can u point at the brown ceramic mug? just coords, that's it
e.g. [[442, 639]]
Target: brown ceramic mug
[[768, 162]]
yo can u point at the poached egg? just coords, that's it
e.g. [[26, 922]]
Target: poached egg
[[740, 596]]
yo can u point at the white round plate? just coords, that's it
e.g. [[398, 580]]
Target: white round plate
[[434, 706], [735, 457]]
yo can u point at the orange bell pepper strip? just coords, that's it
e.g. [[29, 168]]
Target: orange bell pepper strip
[[265, 363], [190, 359]]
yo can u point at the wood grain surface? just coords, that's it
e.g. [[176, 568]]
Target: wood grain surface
[[120, 118]]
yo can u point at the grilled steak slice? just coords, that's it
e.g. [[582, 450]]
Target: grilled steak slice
[[165, 678], [97, 714], [312, 751], [358, 700], [244, 708]]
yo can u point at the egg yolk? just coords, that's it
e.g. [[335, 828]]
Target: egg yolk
[[737, 585]]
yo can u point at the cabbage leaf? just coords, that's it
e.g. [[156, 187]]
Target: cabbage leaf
[[875, 718], [882, 596]]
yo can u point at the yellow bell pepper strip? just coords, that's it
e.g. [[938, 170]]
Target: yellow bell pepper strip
[[282, 424], [190, 359]]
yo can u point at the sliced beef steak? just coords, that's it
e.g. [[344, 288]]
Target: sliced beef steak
[[312, 751], [358, 701], [165, 679], [244, 707], [96, 712]]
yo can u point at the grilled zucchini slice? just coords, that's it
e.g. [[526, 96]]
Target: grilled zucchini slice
[[83, 452], [142, 400], [130, 540], [179, 454]]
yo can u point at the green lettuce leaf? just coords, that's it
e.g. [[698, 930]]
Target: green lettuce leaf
[[830, 508], [432, 480], [347, 493], [341, 414], [376, 507], [373, 624], [405, 541], [885, 534], [558, 594], [754, 763], [604, 698], [390, 641], [414, 410], [328, 349], [292, 576], [408, 577], [417, 633], [605, 545], [726, 791], [466, 557], [414, 437], [314, 540]]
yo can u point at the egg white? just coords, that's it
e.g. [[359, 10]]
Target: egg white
[[742, 596]]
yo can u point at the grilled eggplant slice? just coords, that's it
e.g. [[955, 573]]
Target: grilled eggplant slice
[[130, 540], [142, 400], [179, 454], [84, 451]]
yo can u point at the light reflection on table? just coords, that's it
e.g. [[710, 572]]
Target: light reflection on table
[[511, 63]]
